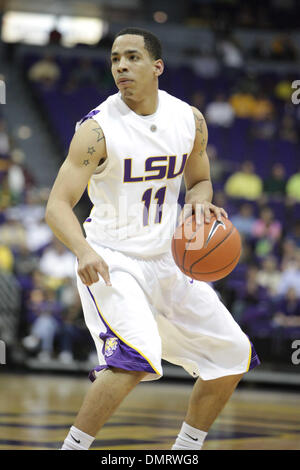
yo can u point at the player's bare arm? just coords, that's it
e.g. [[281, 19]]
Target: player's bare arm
[[197, 172], [87, 150]]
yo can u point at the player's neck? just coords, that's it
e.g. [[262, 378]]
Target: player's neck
[[144, 107]]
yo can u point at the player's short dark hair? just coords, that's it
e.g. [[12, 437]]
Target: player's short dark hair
[[152, 43]]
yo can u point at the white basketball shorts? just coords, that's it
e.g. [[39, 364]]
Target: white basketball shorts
[[152, 312]]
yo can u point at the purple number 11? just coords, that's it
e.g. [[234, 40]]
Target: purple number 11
[[160, 196]]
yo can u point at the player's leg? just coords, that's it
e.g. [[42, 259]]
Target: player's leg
[[200, 334], [206, 403], [208, 399], [103, 398], [127, 341]]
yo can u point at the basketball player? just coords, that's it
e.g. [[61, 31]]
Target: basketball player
[[132, 151]]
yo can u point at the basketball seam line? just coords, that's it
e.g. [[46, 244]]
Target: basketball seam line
[[206, 254], [218, 270]]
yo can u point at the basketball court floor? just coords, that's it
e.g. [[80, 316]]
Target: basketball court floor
[[36, 412]]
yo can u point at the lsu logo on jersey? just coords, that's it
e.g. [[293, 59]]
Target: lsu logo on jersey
[[161, 167], [111, 345]]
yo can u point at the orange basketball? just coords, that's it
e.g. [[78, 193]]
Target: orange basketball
[[208, 252]]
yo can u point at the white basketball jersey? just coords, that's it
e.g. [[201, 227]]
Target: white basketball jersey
[[135, 191]]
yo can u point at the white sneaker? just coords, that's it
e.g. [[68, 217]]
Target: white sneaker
[[44, 356], [66, 357], [30, 342], [93, 358]]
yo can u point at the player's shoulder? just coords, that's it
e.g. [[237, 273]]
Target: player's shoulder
[[98, 111], [177, 106], [167, 97]]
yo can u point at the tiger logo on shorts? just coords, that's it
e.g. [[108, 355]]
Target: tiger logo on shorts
[[111, 345]]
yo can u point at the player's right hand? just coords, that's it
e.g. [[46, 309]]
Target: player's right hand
[[89, 265]]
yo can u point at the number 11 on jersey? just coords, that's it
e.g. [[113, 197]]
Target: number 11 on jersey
[[146, 198]]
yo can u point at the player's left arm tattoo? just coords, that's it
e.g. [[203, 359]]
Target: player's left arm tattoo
[[199, 123], [99, 132], [91, 150], [199, 128]]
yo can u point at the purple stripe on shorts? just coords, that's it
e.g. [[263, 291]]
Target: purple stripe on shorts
[[254, 362], [117, 353], [90, 115], [88, 219]]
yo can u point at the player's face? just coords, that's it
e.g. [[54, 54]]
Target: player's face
[[134, 71]]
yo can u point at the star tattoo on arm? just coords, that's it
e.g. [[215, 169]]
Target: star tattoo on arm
[[91, 150], [199, 122]]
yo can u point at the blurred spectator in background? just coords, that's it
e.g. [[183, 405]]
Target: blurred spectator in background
[[264, 128], [219, 112], [245, 16], [205, 64], [45, 71], [288, 130], [13, 234], [105, 80], [221, 200], [54, 36], [283, 89], [290, 276], [32, 209], [267, 232], [58, 263], [198, 100], [260, 50], [287, 310], [6, 259], [4, 139], [244, 183], [231, 53], [44, 318], [249, 295], [84, 74], [295, 233], [263, 108], [219, 168], [73, 332], [288, 250], [285, 321], [26, 262], [5, 193], [293, 186], [38, 235], [16, 178], [243, 104], [269, 275], [283, 48], [274, 185], [248, 83], [244, 219], [247, 251]]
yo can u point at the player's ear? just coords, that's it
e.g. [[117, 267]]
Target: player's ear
[[158, 67]]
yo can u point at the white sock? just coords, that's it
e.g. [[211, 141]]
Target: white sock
[[189, 438], [77, 440]]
